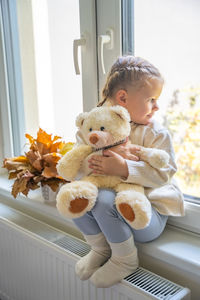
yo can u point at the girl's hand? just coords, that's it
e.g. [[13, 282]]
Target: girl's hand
[[110, 164], [127, 151]]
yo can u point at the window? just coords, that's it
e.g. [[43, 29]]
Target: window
[[52, 90], [49, 93], [167, 34], [40, 86]]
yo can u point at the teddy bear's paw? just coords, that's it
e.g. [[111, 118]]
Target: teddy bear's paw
[[159, 159], [76, 198], [135, 208], [127, 211], [78, 205]]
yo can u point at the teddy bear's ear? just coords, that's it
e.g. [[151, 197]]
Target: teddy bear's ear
[[80, 119], [121, 112]]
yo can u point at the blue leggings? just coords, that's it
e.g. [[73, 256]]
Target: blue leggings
[[105, 218]]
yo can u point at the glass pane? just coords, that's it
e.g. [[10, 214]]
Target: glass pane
[[52, 91], [127, 27], [167, 34]]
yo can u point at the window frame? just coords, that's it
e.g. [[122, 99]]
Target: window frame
[[127, 27], [191, 220], [88, 29], [106, 21], [12, 110], [6, 132]]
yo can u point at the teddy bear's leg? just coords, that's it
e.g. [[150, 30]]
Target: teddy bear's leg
[[133, 205], [76, 198]]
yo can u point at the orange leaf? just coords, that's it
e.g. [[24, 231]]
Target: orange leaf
[[33, 185], [43, 148], [38, 178], [28, 174], [55, 147], [10, 164], [30, 138], [35, 159], [34, 147], [52, 158], [56, 137], [19, 186], [53, 186], [43, 137], [53, 183], [49, 172], [13, 175], [25, 191], [20, 159], [15, 188]]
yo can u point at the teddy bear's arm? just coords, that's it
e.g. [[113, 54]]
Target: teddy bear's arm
[[157, 158], [69, 165]]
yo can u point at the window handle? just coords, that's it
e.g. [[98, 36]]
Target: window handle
[[102, 40], [77, 43]]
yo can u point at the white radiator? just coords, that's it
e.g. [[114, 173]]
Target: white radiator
[[37, 263]]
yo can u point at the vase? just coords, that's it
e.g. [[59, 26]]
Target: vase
[[48, 194]]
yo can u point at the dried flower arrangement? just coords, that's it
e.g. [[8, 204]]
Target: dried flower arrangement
[[38, 166]]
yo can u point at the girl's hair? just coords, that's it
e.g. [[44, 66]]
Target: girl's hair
[[126, 71]]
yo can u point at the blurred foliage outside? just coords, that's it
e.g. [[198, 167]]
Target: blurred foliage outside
[[183, 121]]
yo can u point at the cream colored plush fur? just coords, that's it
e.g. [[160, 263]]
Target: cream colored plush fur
[[102, 127]]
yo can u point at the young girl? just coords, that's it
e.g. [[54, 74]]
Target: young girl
[[135, 84]]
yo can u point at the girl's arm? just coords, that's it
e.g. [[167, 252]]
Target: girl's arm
[[138, 172], [142, 173]]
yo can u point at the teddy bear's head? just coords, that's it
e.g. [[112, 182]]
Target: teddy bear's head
[[104, 126]]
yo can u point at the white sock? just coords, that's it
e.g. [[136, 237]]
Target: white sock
[[98, 255], [123, 262]]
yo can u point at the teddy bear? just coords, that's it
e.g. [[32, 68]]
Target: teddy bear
[[103, 128]]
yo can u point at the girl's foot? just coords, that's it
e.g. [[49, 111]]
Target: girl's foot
[[99, 254], [88, 264], [118, 266]]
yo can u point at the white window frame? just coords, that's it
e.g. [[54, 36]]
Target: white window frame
[[87, 12], [191, 220], [5, 128], [92, 77], [12, 107]]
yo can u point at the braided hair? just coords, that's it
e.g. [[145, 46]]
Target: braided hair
[[126, 71]]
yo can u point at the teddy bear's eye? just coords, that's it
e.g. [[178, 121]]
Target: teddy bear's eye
[[102, 128], [90, 129]]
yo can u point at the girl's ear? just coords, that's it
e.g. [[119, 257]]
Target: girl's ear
[[121, 97], [80, 119]]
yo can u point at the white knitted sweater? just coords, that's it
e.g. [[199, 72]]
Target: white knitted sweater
[[160, 186]]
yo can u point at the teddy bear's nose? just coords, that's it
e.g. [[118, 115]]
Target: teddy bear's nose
[[94, 138]]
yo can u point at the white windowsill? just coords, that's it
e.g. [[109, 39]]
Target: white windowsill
[[174, 253], [35, 202]]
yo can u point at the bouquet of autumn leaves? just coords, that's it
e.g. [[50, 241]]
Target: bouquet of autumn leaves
[[38, 166]]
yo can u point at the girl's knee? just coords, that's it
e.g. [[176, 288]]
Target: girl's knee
[[145, 236], [153, 231], [105, 200], [106, 197]]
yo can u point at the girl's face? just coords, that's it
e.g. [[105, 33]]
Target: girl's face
[[141, 103]]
